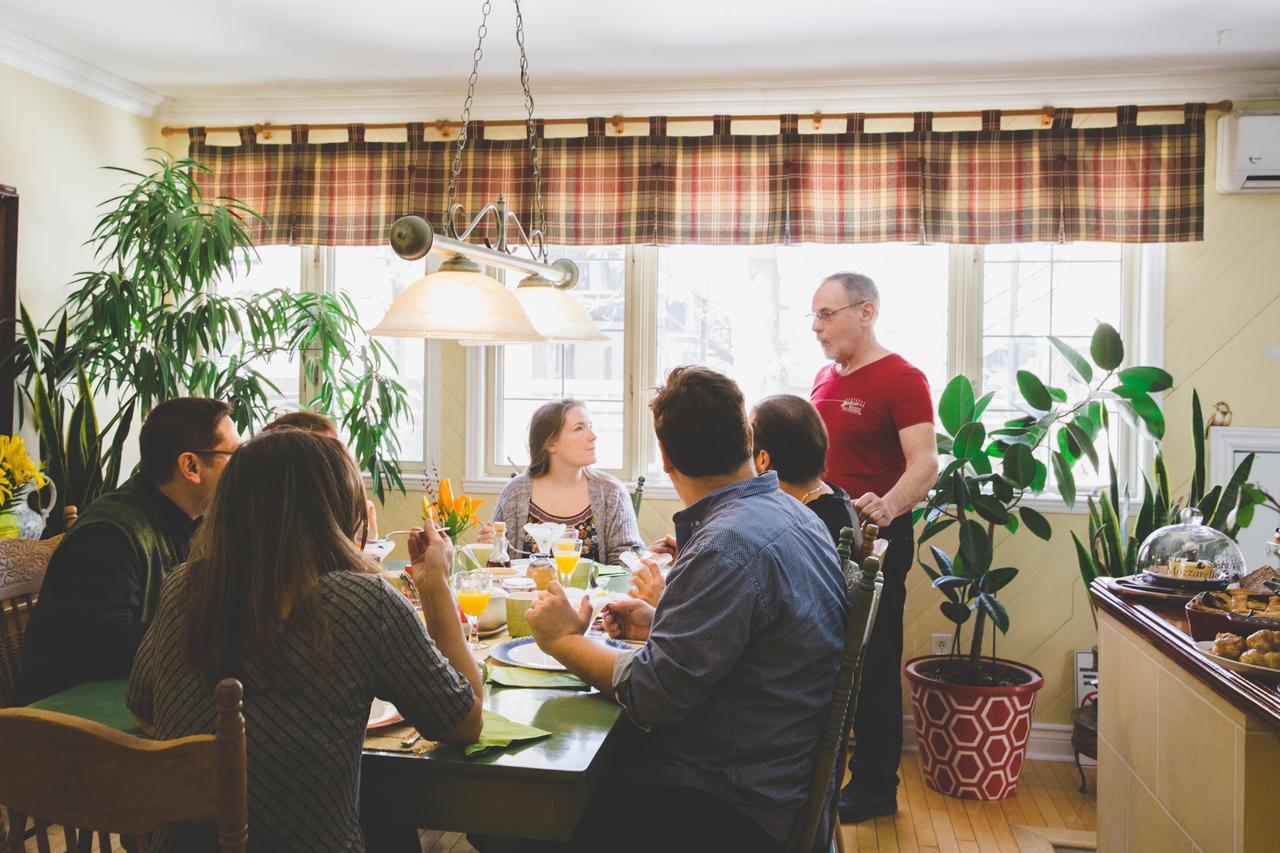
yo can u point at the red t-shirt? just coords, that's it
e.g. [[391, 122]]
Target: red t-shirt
[[864, 412]]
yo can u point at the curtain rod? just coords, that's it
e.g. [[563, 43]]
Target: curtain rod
[[618, 122]]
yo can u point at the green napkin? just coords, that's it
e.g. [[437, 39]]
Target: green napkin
[[500, 733], [603, 571], [515, 676], [100, 701]]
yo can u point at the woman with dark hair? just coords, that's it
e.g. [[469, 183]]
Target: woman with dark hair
[[790, 438], [560, 486], [277, 594]]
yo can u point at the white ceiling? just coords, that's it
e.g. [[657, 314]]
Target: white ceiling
[[194, 56]]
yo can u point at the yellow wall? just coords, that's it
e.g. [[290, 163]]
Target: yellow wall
[[52, 145], [1222, 313]]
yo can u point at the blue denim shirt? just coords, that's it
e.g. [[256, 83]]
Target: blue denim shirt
[[737, 674]]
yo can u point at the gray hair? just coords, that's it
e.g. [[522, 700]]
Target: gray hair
[[857, 287]]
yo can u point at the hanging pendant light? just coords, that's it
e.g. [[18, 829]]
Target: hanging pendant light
[[458, 302]]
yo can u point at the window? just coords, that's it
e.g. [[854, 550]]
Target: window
[[528, 375], [274, 268], [372, 277], [1030, 291], [984, 311], [741, 310]]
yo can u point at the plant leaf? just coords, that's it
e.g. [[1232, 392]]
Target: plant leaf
[[956, 612], [956, 406], [1145, 408], [1033, 391], [1106, 348], [1084, 442], [1019, 465], [975, 547], [1066, 480], [1075, 359], [995, 609], [1035, 522], [1149, 379], [997, 579], [1197, 441], [969, 440]]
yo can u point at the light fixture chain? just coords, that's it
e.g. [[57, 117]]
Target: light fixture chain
[[481, 32], [539, 207]]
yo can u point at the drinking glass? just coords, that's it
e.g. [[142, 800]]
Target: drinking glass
[[473, 590], [567, 553]]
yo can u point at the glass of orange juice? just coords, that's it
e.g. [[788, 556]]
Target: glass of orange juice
[[473, 590], [567, 552]]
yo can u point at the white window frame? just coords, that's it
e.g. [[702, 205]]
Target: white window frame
[[1142, 327], [316, 268]]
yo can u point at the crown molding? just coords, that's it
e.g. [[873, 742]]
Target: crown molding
[[65, 70], [660, 98]]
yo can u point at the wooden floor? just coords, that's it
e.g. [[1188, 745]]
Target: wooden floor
[[926, 820]]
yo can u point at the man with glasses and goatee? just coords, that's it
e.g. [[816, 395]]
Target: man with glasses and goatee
[[882, 451], [101, 587]]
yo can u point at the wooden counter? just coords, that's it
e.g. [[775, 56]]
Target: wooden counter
[[1188, 752]]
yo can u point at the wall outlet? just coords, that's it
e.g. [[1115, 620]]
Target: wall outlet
[[941, 644]]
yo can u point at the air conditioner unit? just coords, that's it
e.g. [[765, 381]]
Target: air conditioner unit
[[1249, 153]]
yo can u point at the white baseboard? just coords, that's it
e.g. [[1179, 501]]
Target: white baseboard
[[1048, 741]]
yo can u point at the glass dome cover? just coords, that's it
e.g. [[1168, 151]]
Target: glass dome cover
[[1191, 553]]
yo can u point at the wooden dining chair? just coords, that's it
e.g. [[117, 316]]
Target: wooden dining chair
[[637, 495], [89, 778], [862, 569]]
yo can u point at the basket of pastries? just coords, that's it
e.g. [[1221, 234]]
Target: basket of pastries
[[1235, 611]]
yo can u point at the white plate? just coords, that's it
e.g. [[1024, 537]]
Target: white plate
[[1264, 673], [525, 652]]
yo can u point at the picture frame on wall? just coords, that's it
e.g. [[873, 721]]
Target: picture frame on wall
[[1228, 446]]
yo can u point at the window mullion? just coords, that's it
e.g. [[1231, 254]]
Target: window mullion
[[965, 314], [640, 354], [316, 277]]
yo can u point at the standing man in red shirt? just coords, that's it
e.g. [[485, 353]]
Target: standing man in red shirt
[[879, 416]]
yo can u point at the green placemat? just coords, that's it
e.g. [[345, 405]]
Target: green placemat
[[515, 676], [500, 733], [100, 701]]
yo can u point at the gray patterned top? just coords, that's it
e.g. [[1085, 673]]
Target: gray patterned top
[[304, 719], [610, 504]]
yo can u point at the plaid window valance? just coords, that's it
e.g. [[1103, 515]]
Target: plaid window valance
[[1127, 183]]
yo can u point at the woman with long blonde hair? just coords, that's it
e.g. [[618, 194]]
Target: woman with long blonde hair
[[277, 594]]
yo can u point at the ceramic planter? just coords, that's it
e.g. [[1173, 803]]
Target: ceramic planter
[[972, 740]]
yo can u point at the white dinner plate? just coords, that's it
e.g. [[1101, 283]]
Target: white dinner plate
[[382, 714], [1264, 673], [525, 652]]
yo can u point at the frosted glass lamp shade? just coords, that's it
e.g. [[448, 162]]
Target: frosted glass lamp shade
[[555, 313], [456, 304]]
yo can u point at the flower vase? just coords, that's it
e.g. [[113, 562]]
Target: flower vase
[[8, 524], [460, 562]]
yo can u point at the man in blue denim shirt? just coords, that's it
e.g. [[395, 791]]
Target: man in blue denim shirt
[[741, 654]]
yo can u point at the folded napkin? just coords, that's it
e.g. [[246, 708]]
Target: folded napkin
[[392, 739], [500, 733], [516, 676], [603, 571]]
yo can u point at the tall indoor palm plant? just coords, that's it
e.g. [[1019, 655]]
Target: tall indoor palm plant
[[150, 324]]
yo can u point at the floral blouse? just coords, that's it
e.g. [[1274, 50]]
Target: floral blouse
[[584, 522]]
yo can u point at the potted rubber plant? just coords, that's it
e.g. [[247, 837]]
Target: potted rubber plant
[[973, 710]]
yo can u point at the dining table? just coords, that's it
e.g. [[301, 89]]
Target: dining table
[[536, 789]]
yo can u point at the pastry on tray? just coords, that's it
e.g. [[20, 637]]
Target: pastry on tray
[[1256, 581]]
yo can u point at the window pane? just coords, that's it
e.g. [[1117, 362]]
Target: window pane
[[274, 268], [740, 310], [533, 374], [1034, 290], [373, 276]]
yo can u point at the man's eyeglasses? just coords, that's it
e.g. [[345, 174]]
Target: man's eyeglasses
[[212, 452], [826, 314]]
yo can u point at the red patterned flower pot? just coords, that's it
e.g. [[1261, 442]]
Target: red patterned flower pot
[[972, 740]]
